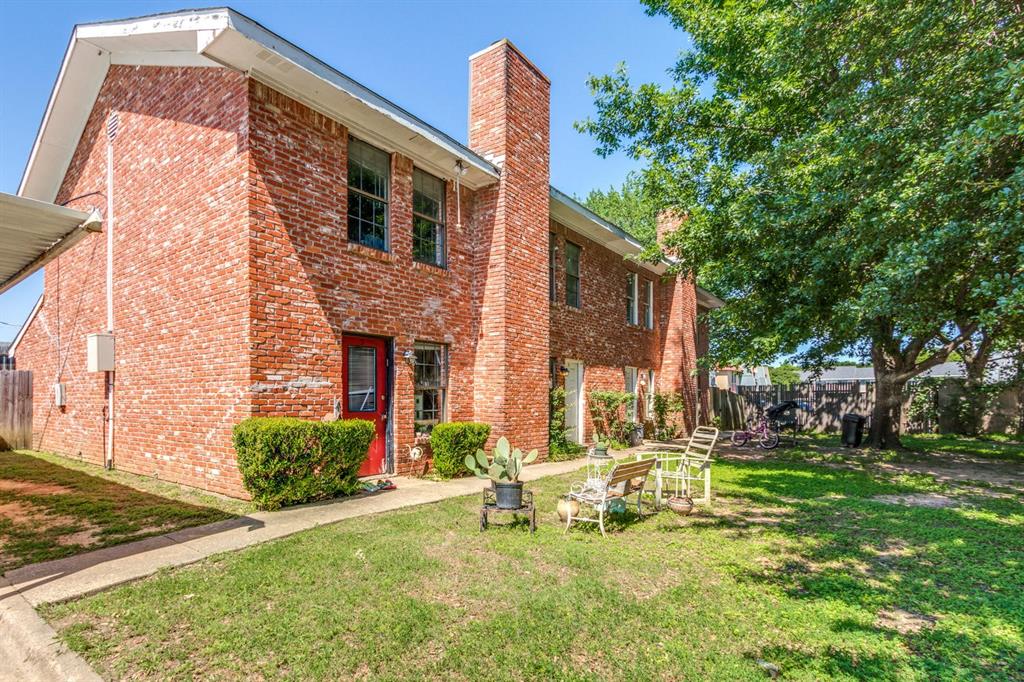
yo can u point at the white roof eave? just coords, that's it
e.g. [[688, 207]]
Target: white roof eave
[[223, 37]]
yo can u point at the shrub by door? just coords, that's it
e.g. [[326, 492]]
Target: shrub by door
[[366, 393]]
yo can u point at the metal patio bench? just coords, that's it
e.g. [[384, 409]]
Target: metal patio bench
[[621, 481]]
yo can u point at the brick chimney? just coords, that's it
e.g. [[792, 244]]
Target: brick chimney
[[509, 124], [669, 220], [679, 311]]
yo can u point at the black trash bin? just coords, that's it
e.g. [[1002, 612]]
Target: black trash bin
[[853, 430]]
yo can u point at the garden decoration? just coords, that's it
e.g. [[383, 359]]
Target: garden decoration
[[682, 505], [503, 469], [490, 506], [566, 508]]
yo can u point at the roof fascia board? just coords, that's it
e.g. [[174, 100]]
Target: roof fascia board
[[90, 60], [34, 153], [275, 43], [585, 212], [362, 132], [619, 241], [189, 20]]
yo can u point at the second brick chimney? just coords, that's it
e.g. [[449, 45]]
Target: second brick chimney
[[509, 124]]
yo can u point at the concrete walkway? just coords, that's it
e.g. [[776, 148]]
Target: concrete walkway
[[29, 648]]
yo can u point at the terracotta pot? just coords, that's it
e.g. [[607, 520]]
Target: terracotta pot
[[681, 505], [564, 506]]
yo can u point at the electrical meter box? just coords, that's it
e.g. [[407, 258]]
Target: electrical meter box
[[60, 395], [100, 352]]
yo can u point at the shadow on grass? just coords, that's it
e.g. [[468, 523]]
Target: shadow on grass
[[962, 565], [53, 512]]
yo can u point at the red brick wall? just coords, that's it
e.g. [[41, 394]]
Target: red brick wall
[[180, 282], [509, 102], [235, 281], [598, 333], [310, 285]]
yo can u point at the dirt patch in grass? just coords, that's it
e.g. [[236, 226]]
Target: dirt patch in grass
[[16, 512], [929, 500], [50, 511], [83, 538], [903, 621], [32, 488]]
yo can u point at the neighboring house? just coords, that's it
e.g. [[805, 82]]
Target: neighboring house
[[999, 367], [288, 242], [842, 373], [729, 378], [6, 361]]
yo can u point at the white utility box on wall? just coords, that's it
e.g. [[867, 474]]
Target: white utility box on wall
[[60, 395], [100, 353]]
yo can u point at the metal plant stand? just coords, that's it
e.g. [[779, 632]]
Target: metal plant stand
[[490, 506]]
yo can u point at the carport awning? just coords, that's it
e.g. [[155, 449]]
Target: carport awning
[[34, 232]]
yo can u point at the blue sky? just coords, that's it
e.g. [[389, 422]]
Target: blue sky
[[413, 53]]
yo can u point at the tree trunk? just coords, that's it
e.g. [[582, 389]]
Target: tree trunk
[[976, 358], [887, 416]]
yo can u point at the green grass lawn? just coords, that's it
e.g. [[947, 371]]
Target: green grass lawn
[[52, 507], [797, 566]]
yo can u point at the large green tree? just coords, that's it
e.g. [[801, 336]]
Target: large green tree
[[629, 207], [852, 172]]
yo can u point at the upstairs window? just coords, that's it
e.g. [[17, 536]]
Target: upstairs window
[[369, 173], [572, 274], [647, 305], [552, 263], [428, 231], [430, 379], [631, 314]]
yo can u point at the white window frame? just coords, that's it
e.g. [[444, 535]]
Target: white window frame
[[632, 378], [650, 393], [649, 304], [632, 298]]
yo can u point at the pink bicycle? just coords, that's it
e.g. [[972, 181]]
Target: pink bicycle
[[766, 434]]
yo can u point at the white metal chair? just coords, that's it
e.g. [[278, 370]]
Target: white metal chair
[[622, 480], [676, 473]]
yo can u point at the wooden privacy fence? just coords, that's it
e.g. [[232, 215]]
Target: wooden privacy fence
[[827, 403], [15, 409]]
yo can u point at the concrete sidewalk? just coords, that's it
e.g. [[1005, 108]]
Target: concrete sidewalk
[[29, 648]]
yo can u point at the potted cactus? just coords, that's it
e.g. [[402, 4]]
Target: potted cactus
[[503, 469]]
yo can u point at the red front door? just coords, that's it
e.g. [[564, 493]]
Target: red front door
[[364, 372]]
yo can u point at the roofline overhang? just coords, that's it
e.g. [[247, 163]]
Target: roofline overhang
[[220, 37], [582, 220]]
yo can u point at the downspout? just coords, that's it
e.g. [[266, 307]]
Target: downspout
[[112, 123]]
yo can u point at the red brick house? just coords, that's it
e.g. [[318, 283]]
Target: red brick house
[[287, 242]]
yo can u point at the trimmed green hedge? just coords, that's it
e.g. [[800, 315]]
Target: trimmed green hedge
[[286, 461], [452, 441]]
